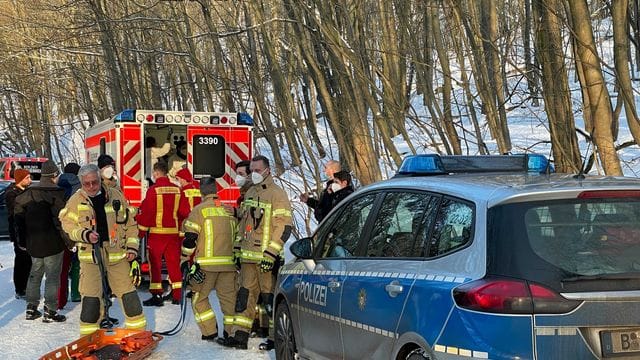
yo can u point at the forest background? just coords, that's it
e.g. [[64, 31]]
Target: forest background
[[440, 76]]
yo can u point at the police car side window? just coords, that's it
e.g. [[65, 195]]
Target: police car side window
[[342, 236], [396, 225], [453, 228]]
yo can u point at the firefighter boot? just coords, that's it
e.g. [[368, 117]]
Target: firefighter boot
[[52, 316], [32, 312], [154, 300], [239, 341], [267, 345]]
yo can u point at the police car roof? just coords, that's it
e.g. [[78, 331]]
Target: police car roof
[[501, 188]]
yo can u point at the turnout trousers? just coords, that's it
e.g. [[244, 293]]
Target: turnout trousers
[[165, 246], [225, 285], [121, 286], [256, 282]]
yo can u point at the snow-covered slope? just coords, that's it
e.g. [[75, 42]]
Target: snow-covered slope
[[22, 339]]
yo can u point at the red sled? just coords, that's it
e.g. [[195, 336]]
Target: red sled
[[112, 344]]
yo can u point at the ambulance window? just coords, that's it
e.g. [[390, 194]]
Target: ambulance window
[[209, 156], [103, 146]]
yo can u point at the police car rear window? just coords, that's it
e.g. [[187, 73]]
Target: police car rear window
[[566, 240]]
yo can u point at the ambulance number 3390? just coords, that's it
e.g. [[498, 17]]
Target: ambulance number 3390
[[208, 140]]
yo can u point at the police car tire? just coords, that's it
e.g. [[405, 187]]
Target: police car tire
[[417, 354], [285, 342]]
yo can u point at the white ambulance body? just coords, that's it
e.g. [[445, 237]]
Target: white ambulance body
[[215, 143]]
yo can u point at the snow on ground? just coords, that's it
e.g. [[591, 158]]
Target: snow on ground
[[22, 339]]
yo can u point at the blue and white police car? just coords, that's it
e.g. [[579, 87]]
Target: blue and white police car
[[469, 258]]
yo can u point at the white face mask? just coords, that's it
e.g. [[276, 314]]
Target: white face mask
[[257, 178], [335, 187], [241, 180], [108, 172]]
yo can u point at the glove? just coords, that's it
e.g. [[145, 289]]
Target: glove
[[266, 264], [135, 273], [195, 274]]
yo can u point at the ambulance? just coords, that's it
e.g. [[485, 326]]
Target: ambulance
[[215, 141]]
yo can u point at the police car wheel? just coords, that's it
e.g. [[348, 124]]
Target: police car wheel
[[285, 342], [417, 354]]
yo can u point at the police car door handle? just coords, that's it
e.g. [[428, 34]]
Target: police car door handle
[[394, 288], [333, 285]]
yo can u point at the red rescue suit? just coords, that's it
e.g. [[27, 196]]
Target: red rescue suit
[[161, 214]]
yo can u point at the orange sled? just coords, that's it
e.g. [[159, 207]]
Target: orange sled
[[112, 344]]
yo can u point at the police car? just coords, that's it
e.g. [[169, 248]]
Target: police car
[[465, 257]]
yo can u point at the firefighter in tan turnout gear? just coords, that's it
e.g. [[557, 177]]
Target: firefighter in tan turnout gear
[[265, 224], [96, 214], [209, 236]]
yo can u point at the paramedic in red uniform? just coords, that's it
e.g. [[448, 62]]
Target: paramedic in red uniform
[[190, 188], [161, 213]]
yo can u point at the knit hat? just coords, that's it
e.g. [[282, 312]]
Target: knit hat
[[71, 168], [50, 169], [105, 160], [20, 174], [185, 174]]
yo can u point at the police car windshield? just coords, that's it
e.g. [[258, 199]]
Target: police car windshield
[[555, 241]]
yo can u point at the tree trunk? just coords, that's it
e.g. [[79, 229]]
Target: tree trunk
[[600, 104]]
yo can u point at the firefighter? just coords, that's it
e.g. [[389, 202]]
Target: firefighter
[[108, 171], [90, 217], [209, 236], [260, 327], [265, 223], [161, 213], [190, 187]]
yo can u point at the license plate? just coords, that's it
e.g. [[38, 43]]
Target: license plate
[[620, 342]]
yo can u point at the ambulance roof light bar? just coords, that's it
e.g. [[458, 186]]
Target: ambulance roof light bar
[[173, 117]]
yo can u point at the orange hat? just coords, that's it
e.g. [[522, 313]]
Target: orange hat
[[185, 174], [20, 174]]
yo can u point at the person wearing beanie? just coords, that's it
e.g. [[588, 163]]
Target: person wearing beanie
[[108, 171], [22, 262], [40, 232], [190, 188], [71, 168], [70, 265]]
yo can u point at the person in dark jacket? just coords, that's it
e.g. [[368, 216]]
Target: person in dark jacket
[[322, 205], [340, 188], [22, 264], [40, 231], [70, 265]]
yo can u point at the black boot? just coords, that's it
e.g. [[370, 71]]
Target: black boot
[[260, 333], [211, 337], [32, 312], [267, 345], [239, 341], [52, 316], [154, 300]]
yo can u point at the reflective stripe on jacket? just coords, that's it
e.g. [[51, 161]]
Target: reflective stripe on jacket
[[78, 220], [265, 213], [216, 230], [162, 210]]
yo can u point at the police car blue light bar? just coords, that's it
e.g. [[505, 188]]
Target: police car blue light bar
[[434, 164], [430, 164]]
